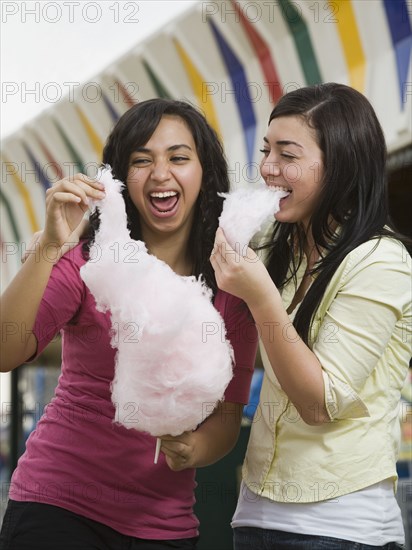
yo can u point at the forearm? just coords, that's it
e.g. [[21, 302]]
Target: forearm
[[296, 367], [217, 436], [66, 203], [18, 309]]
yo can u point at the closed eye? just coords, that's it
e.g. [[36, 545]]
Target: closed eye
[[266, 152], [178, 158], [140, 161]]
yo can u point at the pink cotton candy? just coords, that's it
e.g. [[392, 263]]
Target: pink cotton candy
[[245, 211], [173, 360]]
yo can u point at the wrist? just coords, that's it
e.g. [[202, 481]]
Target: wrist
[[48, 251], [268, 297]]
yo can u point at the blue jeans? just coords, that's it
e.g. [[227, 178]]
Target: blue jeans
[[252, 538]]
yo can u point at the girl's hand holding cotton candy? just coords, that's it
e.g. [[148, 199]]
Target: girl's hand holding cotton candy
[[66, 205], [180, 451], [243, 276]]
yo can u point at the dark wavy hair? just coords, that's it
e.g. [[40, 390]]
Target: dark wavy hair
[[354, 188], [134, 130]]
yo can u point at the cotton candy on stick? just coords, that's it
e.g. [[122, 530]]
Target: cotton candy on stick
[[246, 210], [173, 359]]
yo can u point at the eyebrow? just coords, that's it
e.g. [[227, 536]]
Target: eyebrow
[[171, 148], [284, 142]]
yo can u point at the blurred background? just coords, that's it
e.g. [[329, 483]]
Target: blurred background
[[71, 69]]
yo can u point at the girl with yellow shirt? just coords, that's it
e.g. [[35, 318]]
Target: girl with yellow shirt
[[332, 304]]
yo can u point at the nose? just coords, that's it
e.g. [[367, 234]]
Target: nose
[[160, 171], [269, 167]]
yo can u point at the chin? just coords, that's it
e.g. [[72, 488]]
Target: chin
[[281, 218]]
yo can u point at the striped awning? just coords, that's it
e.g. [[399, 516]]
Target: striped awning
[[233, 59]]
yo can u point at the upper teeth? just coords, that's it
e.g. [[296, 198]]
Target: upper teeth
[[164, 194], [278, 188]]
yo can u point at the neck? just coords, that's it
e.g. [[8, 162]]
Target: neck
[[171, 250]]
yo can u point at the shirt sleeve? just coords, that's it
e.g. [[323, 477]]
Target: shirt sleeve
[[242, 333], [61, 299], [367, 311]]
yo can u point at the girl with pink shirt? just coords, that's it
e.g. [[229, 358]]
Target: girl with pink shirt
[[85, 481]]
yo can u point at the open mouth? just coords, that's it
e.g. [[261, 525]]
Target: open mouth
[[164, 202]]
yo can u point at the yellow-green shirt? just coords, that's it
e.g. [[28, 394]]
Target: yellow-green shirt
[[361, 334]]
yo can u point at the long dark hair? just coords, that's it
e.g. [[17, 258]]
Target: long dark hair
[[354, 188], [134, 130]]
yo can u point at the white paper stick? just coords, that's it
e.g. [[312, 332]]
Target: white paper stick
[[158, 443]]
